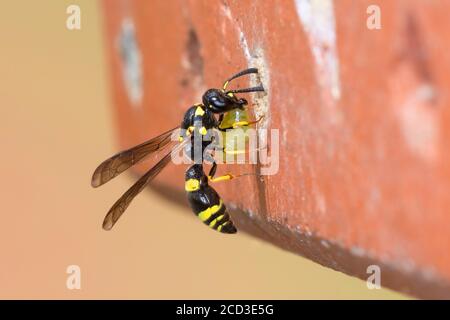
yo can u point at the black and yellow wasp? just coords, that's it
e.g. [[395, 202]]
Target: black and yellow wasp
[[199, 120]]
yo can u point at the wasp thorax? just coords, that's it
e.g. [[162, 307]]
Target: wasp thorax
[[195, 172]]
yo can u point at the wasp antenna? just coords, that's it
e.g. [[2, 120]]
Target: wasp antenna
[[252, 89], [239, 74]]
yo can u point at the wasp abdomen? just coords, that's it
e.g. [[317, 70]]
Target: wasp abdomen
[[206, 203], [217, 217], [213, 215]]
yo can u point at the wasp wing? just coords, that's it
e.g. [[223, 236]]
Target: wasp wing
[[122, 204], [123, 160]]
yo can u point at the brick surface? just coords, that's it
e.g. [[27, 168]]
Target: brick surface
[[362, 115]]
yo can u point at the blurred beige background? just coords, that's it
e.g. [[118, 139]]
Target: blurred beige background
[[56, 126]]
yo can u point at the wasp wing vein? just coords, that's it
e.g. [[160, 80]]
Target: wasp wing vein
[[123, 160], [124, 201]]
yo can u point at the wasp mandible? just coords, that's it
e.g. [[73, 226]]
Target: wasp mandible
[[197, 121]]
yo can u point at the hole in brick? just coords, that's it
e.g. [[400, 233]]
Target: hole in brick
[[193, 49], [192, 62]]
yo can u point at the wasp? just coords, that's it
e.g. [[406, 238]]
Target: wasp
[[198, 121]]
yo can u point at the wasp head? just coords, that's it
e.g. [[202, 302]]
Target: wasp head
[[219, 101]]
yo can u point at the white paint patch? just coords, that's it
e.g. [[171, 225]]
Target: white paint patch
[[321, 205], [429, 273], [358, 251], [232, 205], [255, 59], [226, 10], [131, 62], [251, 214], [419, 124], [244, 46], [317, 18], [407, 265], [325, 243]]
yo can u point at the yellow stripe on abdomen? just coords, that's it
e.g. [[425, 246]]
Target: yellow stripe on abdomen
[[207, 213], [217, 218], [212, 224], [219, 228]]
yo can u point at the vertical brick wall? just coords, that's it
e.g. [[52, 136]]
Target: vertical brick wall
[[363, 119]]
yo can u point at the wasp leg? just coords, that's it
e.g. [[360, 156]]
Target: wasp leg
[[224, 177], [212, 173], [224, 150], [238, 124]]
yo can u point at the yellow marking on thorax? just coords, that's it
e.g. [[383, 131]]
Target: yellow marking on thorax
[[203, 131], [192, 185], [199, 111], [207, 213]]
